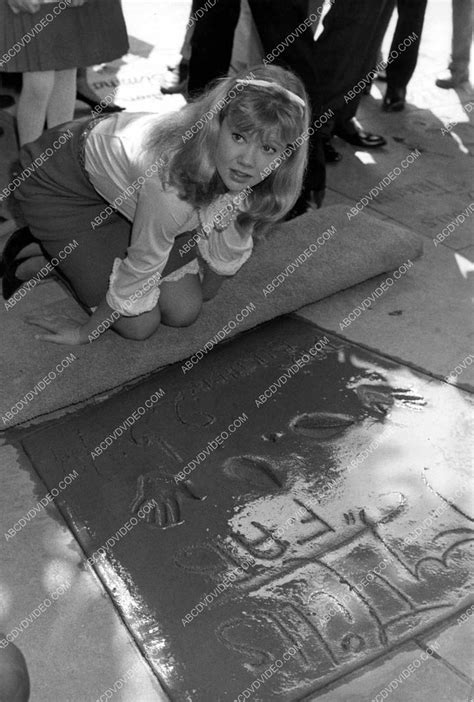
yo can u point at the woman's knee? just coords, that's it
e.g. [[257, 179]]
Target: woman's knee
[[181, 301], [139, 328], [38, 84], [183, 315]]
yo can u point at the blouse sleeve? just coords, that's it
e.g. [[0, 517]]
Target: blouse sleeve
[[134, 282]]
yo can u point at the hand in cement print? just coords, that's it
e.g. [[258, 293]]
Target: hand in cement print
[[168, 493]]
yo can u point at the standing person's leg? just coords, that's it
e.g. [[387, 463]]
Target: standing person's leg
[[176, 78], [63, 97], [347, 48], [458, 70], [211, 42], [33, 104], [247, 49], [275, 22], [347, 53], [462, 38], [405, 47]]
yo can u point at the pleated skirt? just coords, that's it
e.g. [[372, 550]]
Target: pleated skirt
[[59, 37]]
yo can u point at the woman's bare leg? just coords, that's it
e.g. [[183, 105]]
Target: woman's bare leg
[[63, 98], [33, 104]]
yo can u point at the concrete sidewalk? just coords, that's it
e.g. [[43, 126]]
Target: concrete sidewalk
[[80, 648]]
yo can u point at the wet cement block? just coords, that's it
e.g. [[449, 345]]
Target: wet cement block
[[328, 526]]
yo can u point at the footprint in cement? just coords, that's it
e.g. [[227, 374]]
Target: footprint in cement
[[322, 425], [377, 398], [256, 471], [166, 494], [406, 398]]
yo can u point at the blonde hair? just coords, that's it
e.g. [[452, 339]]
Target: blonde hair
[[187, 141]]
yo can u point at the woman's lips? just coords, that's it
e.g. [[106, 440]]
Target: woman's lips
[[239, 175]]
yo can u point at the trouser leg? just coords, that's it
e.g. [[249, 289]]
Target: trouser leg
[[405, 45], [462, 37], [211, 42]]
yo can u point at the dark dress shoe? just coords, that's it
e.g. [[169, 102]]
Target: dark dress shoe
[[14, 678], [361, 138], [10, 283], [96, 106], [16, 243], [6, 101], [394, 100], [330, 153]]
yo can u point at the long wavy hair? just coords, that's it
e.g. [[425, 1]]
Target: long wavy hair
[[187, 141]]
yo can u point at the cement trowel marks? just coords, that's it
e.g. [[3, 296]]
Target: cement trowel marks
[[315, 511]]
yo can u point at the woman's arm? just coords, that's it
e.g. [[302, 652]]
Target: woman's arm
[[69, 332], [211, 282]]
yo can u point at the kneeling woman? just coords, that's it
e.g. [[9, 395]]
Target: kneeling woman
[[137, 191]]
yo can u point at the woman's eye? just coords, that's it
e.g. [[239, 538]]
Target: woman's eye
[[269, 149], [237, 137]]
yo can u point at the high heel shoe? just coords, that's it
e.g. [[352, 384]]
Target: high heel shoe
[[16, 243], [94, 104]]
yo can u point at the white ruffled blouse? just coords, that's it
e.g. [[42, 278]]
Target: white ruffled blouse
[[123, 176]]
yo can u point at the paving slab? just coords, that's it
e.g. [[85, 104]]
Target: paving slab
[[330, 525], [424, 318], [412, 675], [456, 644], [76, 646]]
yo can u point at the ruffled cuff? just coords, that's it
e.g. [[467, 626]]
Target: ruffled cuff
[[132, 292]]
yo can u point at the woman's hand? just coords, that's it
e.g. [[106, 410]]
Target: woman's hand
[[31, 6], [62, 329]]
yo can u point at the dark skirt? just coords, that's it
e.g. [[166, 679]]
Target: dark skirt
[[60, 204], [68, 37]]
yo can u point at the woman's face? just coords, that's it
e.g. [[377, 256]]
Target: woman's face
[[241, 159]]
